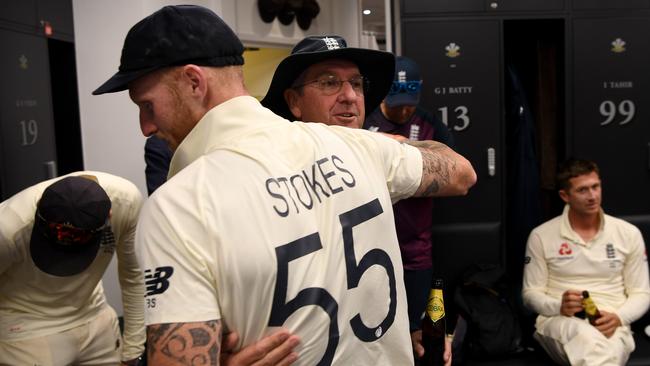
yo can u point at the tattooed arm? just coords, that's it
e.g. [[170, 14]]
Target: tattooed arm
[[193, 344], [444, 172], [200, 343]]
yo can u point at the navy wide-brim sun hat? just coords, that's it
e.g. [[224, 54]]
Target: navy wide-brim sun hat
[[376, 66]]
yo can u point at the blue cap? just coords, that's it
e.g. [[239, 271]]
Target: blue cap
[[407, 83]]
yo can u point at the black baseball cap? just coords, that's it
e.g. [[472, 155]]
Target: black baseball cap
[[70, 221], [376, 66], [173, 36]]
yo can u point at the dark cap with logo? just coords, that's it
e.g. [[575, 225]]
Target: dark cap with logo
[[376, 66], [70, 222], [407, 83], [174, 36]]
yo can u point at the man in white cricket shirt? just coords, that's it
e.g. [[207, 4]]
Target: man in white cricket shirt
[[265, 223], [585, 249]]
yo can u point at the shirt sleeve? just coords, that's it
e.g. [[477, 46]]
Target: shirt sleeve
[[15, 232], [171, 244], [636, 281], [402, 166], [536, 278], [406, 173], [131, 284], [8, 252]]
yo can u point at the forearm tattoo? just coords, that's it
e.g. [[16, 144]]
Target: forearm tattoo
[[437, 167], [192, 344]]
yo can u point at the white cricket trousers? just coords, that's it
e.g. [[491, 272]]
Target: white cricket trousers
[[95, 343], [573, 341]]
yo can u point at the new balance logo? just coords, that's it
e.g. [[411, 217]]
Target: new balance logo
[[158, 281]]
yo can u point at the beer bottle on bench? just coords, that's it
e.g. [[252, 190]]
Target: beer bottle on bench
[[591, 310], [433, 327]]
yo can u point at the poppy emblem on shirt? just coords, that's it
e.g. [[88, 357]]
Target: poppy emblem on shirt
[[565, 250]]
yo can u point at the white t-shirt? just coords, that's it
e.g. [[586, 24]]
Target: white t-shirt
[[34, 303], [612, 266], [271, 223]]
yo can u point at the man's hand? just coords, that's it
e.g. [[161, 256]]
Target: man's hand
[[276, 349], [418, 349], [607, 323], [416, 342], [447, 355], [571, 302]]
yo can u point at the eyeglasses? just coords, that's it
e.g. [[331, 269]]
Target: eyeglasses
[[69, 235], [331, 84], [410, 87]]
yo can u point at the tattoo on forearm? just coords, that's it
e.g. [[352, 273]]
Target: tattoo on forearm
[[436, 167], [200, 337], [429, 168], [192, 344]]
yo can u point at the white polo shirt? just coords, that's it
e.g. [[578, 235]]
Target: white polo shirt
[[34, 303], [266, 223], [612, 266]]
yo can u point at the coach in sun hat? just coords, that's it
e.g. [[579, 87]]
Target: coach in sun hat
[[57, 239], [313, 53]]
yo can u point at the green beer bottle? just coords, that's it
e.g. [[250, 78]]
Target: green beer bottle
[[434, 327], [591, 310]]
